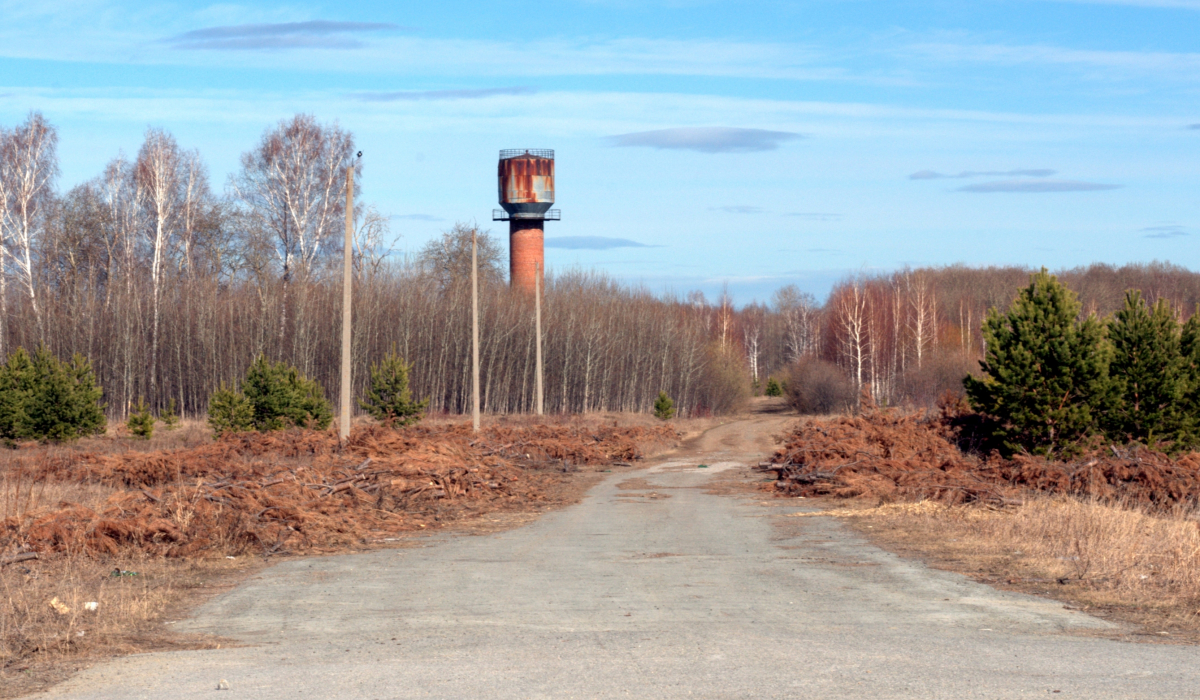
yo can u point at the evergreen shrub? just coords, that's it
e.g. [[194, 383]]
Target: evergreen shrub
[[388, 398], [42, 398], [664, 407]]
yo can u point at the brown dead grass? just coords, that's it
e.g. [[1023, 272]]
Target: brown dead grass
[[1117, 562], [1115, 531], [173, 509]]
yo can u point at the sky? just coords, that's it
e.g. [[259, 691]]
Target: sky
[[699, 143]]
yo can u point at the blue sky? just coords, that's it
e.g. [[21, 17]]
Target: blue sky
[[698, 142]]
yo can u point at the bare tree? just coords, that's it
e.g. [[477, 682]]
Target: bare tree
[[28, 169], [294, 180]]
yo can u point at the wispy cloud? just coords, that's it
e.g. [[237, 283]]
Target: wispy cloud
[[592, 243], [814, 215], [931, 175], [706, 139], [1037, 186], [738, 209], [1194, 127], [315, 34], [464, 94], [1100, 65], [1165, 231], [415, 217]]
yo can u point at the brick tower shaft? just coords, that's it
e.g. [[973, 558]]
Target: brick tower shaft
[[526, 261]]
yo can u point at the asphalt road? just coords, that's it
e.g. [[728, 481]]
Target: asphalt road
[[662, 591]]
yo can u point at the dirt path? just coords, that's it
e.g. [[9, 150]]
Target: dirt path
[[651, 587]]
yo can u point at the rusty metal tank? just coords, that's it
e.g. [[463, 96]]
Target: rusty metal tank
[[526, 180]]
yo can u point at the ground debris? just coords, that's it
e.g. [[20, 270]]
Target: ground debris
[[300, 490], [906, 456]]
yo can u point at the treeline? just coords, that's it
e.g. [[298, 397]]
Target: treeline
[[171, 288], [911, 335]]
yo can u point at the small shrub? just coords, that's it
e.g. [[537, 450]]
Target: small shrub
[[43, 398], [282, 397], [817, 387], [229, 411], [169, 415], [389, 399], [773, 387], [724, 388], [140, 422], [664, 407]]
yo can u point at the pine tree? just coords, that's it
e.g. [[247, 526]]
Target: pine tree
[[1046, 372], [44, 399], [1146, 372], [282, 397], [1189, 404], [388, 398], [229, 411], [169, 415], [664, 407], [773, 387], [140, 422]]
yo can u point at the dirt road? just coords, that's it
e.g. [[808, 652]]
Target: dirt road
[[650, 588]]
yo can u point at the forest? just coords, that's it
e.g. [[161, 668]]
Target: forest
[[171, 287]]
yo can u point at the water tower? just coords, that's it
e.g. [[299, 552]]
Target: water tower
[[526, 179]]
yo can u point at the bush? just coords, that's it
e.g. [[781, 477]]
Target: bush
[[940, 374], [773, 388], [282, 397], [229, 411], [1046, 372], [44, 399], [725, 387], [664, 407], [389, 399], [140, 422], [816, 387]]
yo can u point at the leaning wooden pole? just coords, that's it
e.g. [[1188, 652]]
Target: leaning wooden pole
[[474, 336], [347, 277], [537, 326]]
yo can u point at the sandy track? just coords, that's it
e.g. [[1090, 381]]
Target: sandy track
[[650, 587]]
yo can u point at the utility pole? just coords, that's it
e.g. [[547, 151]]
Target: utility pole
[[347, 279], [474, 336], [537, 325]]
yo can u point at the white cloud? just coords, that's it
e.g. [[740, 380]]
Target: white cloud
[[1037, 186], [706, 139], [932, 175]]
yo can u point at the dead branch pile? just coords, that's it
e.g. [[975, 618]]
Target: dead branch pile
[[898, 456], [299, 491]]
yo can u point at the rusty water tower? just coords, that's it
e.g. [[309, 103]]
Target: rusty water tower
[[526, 179]]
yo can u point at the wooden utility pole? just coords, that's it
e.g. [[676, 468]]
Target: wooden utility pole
[[474, 336], [537, 325], [347, 278]]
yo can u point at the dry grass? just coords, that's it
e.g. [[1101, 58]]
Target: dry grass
[[1117, 561], [47, 630]]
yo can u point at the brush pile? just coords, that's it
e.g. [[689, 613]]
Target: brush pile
[[896, 456], [298, 490]]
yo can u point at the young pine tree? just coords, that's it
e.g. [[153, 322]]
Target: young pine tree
[[1189, 370], [388, 398], [141, 422], [282, 397], [664, 407], [229, 411], [1046, 373], [1146, 372]]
